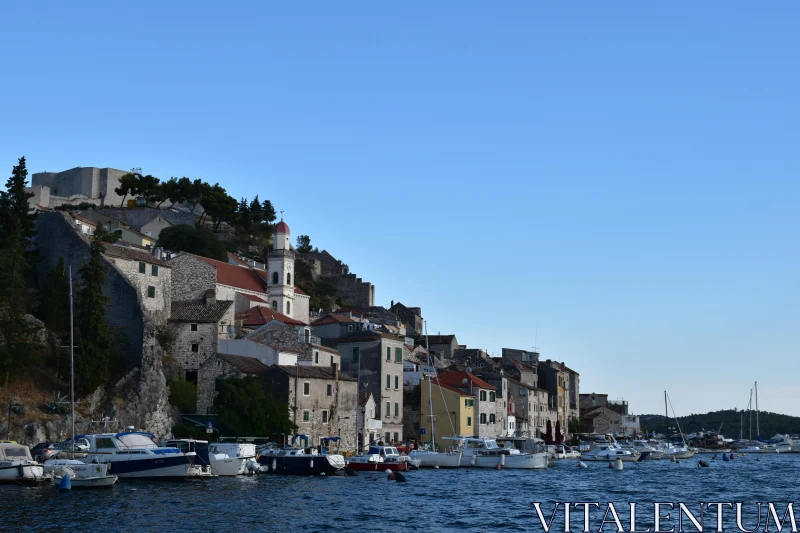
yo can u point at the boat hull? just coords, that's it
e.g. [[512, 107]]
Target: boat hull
[[23, 473], [367, 466], [627, 458], [151, 468], [437, 459], [227, 467], [293, 465], [531, 461]]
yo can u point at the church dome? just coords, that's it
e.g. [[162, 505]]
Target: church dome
[[282, 227]]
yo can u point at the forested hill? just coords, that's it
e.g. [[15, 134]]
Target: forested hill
[[730, 421]]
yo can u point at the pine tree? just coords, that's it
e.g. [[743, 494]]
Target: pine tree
[[268, 214], [93, 358], [17, 227]]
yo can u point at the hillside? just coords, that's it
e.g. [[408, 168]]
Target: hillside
[[730, 421]]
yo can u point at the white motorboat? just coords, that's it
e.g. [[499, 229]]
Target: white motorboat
[[17, 465], [197, 451], [431, 459], [483, 452], [608, 451], [642, 446], [82, 475], [230, 458], [678, 452], [134, 454], [772, 448]]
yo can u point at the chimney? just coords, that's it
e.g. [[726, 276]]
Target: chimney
[[211, 296]]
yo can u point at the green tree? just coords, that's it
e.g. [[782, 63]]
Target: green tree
[[128, 184], [17, 227], [198, 241], [149, 187], [268, 213], [53, 307], [303, 244], [256, 216], [244, 408], [93, 358], [183, 395]]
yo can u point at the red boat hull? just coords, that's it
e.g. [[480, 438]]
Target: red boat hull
[[378, 467]]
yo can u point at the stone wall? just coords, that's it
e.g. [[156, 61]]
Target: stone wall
[[192, 277], [88, 182], [357, 292], [140, 218], [207, 375]]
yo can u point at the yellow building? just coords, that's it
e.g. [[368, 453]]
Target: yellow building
[[453, 413]]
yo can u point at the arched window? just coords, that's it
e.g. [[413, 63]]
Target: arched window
[[288, 308], [288, 279], [274, 278], [274, 305]]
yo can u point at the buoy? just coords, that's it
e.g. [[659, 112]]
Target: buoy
[[610, 464], [391, 476], [65, 484], [436, 467], [400, 478], [758, 458], [474, 459], [582, 465], [702, 463], [731, 455], [672, 458], [618, 464], [498, 466]]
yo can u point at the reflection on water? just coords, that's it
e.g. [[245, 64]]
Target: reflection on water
[[431, 500]]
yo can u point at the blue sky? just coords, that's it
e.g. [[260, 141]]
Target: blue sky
[[620, 178]]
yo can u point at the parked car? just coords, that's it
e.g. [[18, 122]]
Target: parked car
[[44, 451]]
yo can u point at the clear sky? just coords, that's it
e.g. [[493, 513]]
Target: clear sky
[[621, 178]]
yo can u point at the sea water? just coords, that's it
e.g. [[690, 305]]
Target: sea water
[[465, 499]]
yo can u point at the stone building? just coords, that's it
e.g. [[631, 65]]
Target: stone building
[[378, 359], [76, 185], [352, 289], [196, 274], [220, 367], [411, 317], [198, 326], [601, 415], [442, 348], [553, 377], [531, 408], [83, 225], [445, 411], [322, 401], [412, 400]]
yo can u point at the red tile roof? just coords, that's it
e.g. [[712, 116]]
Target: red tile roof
[[332, 319], [82, 219], [235, 276], [298, 290], [254, 298], [234, 259], [450, 387], [260, 315], [282, 227], [456, 378], [248, 365]]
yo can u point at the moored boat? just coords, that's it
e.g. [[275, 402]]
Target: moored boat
[[313, 461], [230, 458], [432, 459], [197, 451], [82, 475], [483, 452], [610, 451], [379, 459], [17, 465], [134, 454]]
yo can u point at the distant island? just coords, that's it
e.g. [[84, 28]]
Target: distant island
[[728, 422]]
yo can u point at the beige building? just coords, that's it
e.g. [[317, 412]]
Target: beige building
[[453, 414]]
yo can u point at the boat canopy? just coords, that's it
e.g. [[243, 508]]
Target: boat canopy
[[14, 452], [299, 437]]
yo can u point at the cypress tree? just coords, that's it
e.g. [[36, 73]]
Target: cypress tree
[[93, 358], [53, 307]]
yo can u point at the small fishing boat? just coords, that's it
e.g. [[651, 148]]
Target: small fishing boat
[[379, 459], [431, 459], [296, 461], [17, 465], [610, 451], [230, 458], [82, 475], [197, 451]]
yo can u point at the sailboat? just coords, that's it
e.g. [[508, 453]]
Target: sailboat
[[671, 451], [82, 475], [430, 458]]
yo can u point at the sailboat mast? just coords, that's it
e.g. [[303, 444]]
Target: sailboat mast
[[758, 431], [750, 413], [71, 359], [666, 417], [430, 389]]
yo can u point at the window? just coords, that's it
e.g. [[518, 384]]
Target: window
[[288, 279], [329, 390], [396, 382], [387, 414], [396, 436], [274, 305], [195, 347], [492, 396], [274, 278], [142, 268], [154, 270], [306, 415], [191, 376], [483, 395], [491, 419], [193, 327], [388, 437], [288, 308], [469, 402], [316, 357], [398, 355], [306, 388], [388, 354], [324, 416], [356, 354], [151, 291], [483, 418], [388, 381], [469, 421], [396, 410]]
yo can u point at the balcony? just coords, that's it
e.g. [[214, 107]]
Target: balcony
[[281, 253]]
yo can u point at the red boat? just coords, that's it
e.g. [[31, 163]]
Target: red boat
[[379, 459]]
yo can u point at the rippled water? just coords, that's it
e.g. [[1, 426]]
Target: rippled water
[[431, 500]]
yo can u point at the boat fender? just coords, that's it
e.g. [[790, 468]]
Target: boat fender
[[702, 463], [21, 470], [582, 465], [274, 465], [618, 464], [311, 465], [400, 478], [65, 484]]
